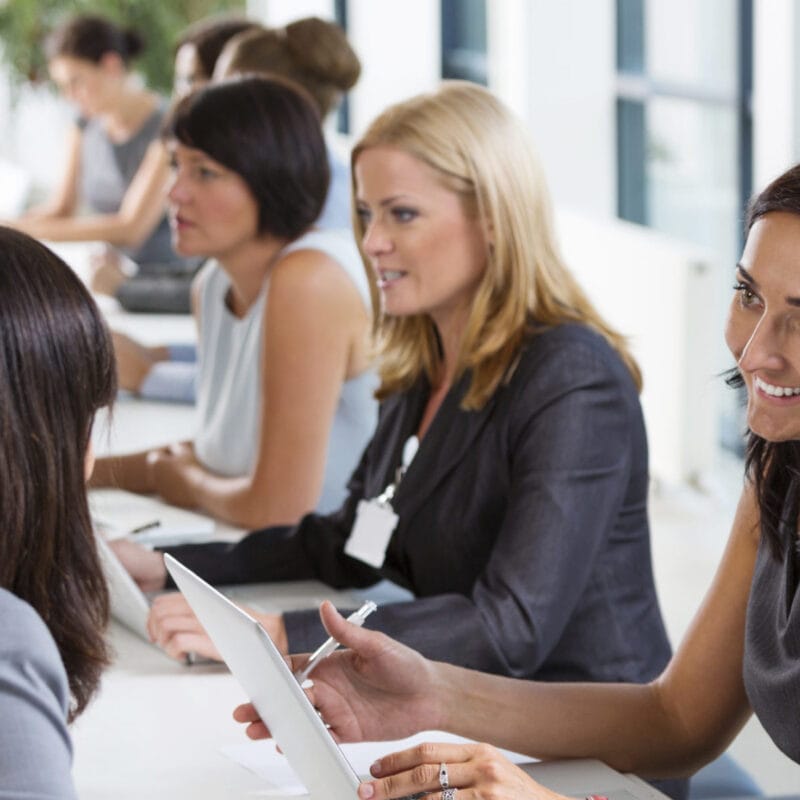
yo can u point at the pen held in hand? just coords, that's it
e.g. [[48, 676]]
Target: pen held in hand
[[330, 644]]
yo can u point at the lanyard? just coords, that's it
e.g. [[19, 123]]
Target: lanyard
[[409, 451]]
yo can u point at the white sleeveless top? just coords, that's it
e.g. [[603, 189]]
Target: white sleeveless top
[[230, 380]]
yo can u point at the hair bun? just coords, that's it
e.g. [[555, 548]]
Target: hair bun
[[134, 42], [321, 48]]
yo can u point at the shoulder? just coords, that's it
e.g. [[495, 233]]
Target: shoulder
[[26, 642], [570, 354]]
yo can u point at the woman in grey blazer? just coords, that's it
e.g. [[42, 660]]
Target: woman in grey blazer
[[520, 525], [56, 370]]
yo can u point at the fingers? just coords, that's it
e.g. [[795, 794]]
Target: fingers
[[366, 643], [173, 626]]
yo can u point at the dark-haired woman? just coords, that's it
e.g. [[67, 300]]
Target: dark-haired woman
[[116, 164], [741, 654], [284, 394], [56, 371]]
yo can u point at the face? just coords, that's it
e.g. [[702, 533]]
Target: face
[[88, 86], [427, 253], [763, 329], [189, 74], [211, 209]]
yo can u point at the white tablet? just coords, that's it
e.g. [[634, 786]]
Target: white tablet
[[272, 688]]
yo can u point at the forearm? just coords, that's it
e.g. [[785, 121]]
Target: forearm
[[116, 229], [130, 472], [624, 725]]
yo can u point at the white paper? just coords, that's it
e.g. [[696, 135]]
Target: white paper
[[264, 760]]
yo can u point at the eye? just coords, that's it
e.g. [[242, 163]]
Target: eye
[[747, 297], [404, 214], [206, 173], [363, 215]]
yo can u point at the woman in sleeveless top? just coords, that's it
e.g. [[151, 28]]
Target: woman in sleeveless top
[[284, 389], [116, 164], [741, 655]]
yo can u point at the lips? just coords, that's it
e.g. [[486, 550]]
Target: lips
[[386, 277], [774, 390]]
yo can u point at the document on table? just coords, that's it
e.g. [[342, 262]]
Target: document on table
[[264, 760], [146, 520]]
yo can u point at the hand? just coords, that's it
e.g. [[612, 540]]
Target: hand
[[134, 361], [378, 689], [174, 627], [145, 566], [171, 471], [475, 770], [109, 269]]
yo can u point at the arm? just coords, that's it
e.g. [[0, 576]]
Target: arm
[[141, 209], [313, 316]]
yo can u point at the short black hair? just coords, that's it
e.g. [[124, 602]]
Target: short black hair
[[90, 37], [268, 132]]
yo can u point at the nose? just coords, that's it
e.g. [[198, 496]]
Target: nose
[[375, 240], [764, 349], [178, 192]]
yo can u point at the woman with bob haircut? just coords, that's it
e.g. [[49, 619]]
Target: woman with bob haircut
[[115, 164], [738, 657], [285, 400], [56, 371], [521, 521]]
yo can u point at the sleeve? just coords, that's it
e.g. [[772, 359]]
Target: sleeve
[[35, 749], [313, 549], [569, 446]]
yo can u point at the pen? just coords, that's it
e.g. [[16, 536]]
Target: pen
[[330, 644], [147, 526]]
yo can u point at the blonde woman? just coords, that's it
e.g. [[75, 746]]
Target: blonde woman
[[521, 520]]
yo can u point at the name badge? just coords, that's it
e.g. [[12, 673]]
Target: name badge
[[374, 525]]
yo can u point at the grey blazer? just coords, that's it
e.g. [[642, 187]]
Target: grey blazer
[[523, 529], [35, 749]]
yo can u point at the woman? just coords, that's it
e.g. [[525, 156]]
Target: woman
[[521, 521], [316, 55], [115, 162], [56, 370], [284, 400], [739, 656]]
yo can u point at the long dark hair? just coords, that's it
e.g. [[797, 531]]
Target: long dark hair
[[269, 133], [56, 370], [774, 467]]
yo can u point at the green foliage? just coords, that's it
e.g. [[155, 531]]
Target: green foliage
[[25, 23]]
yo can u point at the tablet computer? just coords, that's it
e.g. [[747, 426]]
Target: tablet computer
[[272, 688]]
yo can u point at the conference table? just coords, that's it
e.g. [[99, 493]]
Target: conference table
[[157, 728]]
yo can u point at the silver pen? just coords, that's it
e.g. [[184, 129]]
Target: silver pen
[[330, 644]]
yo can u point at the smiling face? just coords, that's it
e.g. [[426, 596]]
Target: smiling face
[[428, 255], [763, 329], [212, 211]]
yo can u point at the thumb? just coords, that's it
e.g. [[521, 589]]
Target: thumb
[[364, 642]]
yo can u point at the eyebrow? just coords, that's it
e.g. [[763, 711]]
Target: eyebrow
[[387, 201], [792, 301]]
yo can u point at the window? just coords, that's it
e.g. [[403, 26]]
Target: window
[[464, 40]]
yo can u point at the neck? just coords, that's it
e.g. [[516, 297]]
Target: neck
[[129, 110], [451, 335], [248, 268]]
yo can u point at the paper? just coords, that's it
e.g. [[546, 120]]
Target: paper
[[264, 760], [118, 513]]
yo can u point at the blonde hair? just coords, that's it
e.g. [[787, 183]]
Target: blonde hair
[[482, 152], [311, 52]]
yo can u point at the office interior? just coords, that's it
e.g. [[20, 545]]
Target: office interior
[[655, 121]]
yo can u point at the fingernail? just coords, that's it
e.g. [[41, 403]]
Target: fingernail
[[375, 769], [366, 790]]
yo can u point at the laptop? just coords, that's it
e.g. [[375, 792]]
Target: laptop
[[299, 731], [269, 683]]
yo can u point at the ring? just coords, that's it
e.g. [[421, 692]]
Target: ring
[[444, 780], [449, 794]]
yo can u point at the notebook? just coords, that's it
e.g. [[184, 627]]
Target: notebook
[[269, 683]]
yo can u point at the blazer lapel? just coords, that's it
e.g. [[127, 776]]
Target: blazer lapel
[[447, 441]]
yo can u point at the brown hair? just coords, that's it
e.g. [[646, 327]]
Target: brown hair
[[89, 37], [56, 370], [311, 52], [209, 35]]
